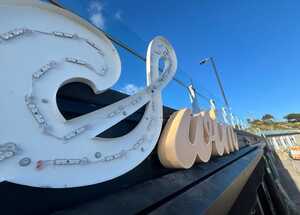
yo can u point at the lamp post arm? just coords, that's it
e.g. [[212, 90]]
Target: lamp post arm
[[219, 81]]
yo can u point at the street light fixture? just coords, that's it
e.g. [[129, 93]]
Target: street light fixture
[[211, 60]]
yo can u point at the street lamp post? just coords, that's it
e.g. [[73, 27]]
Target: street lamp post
[[214, 67], [211, 60]]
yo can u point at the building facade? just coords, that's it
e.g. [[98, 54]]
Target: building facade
[[282, 139]]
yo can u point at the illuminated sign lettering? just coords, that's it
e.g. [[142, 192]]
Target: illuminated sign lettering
[[42, 48]]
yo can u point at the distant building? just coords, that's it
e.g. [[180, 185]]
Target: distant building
[[293, 117], [282, 139], [294, 120]]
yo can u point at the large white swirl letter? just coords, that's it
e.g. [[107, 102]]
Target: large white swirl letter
[[41, 49]]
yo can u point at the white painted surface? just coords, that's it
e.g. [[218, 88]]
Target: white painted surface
[[22, 56]]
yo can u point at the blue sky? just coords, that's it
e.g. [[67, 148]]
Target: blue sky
[[256, 46]]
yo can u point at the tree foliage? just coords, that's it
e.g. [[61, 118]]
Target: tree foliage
[[267, 117]]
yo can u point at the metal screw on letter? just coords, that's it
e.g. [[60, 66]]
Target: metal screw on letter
[[24, 162], [98, 155], [45, 101]]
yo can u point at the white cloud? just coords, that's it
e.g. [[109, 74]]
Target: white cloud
[[131, 89], [95, 6], [118, 15], [95, 10], [97, 19]]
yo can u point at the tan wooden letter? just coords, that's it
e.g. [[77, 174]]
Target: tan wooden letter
[[188, 138], [184, 140], [224, 138]]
